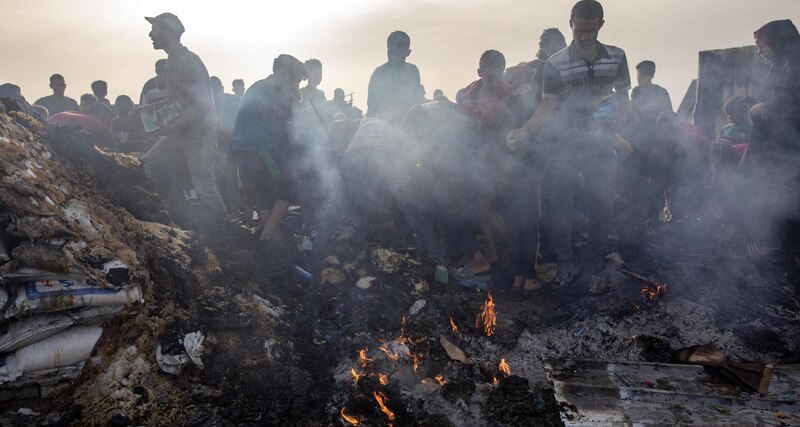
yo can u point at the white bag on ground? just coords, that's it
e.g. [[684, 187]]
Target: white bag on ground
[[60, 350], [19, 333], [57, 295]]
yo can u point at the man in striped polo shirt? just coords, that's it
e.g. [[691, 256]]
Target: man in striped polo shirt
[[580, 83]]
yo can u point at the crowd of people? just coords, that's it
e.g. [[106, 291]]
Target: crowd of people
[[519, 166]]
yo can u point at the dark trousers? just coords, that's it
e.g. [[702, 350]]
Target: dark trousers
[[583, 178], [521, 213]]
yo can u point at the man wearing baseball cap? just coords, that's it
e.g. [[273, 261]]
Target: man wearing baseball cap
[[190, 137]]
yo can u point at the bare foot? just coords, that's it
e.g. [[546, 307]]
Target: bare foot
[[531, 285]]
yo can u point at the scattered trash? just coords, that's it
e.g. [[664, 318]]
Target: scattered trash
[[754, 376], [305, 245], [418, 305], [27, 412], [174, 364], [301, 275], [454, 352], [441, 274], [333, 276], [365, 282], [421, 286], [719, 408], [390, 261], [193, 343]]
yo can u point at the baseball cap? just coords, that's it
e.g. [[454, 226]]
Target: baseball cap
[[169, 20]]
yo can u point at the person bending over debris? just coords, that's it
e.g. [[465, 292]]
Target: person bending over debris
[[191, 128], [395, 83], [770, 163], [261, 144], [575, 79], [376, 185]]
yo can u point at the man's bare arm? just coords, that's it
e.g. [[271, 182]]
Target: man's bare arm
[[542, 114]]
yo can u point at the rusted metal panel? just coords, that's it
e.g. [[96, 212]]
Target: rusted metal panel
[[595, 393]]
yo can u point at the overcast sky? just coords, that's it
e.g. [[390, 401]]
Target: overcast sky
[[86, 40]]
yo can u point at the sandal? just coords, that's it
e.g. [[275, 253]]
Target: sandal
[[464, 273]]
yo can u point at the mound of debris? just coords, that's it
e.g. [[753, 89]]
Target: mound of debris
[[113, 315]]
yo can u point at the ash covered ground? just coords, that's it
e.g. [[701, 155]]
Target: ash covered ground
[[406, 350]]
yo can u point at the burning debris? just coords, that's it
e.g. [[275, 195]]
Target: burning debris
[[488, 318]]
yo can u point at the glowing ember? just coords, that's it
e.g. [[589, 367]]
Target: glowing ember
[[488, 315], [416, 361], [382, 400], [652, 291], [355, 421], [440, 379], [494, 381], [362, 356], [355, 375], [504, 368], [453, 326], [638, 307], [383, 379]]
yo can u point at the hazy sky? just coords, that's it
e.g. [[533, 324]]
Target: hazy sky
[[86, 40]]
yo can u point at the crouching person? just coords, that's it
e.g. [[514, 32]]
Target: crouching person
[[376, 185], [261, 144]]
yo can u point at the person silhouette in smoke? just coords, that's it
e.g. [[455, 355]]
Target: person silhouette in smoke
[[648, 99], [238, 87], [575, 80], [191, 137], [262, 144], [57, 102], [770, 163], [397, 82], [100, 91], [154, 89], [526, 78]]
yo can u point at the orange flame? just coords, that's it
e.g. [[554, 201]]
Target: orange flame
[[488, 315], [440, 379], [416, 361], [382, 400], [494, 381], [355, 421], [652, 291], [383, 379], [355, 375], [453, 326], [362, 356], [504, 368], [388, 353]]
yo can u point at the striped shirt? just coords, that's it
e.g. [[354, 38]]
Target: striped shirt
[[579, 84]]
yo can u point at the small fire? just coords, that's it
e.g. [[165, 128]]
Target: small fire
[[652, 291], [388, 353], [382, 400], [383, 379], [504, 368], [494, 380], [416, 361], [362, 356], [355, 421], [355, 375], [440, 379], [488, 315], [453, 326]]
